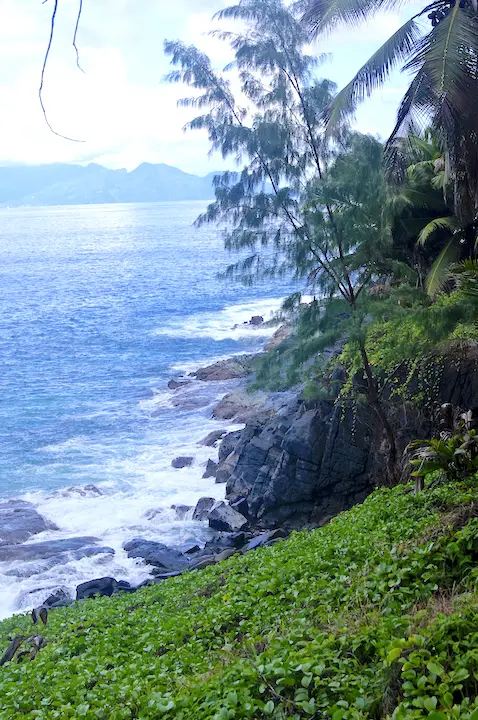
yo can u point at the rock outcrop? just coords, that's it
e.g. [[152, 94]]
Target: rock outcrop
[[311, 461], [234, 368], [18, 521], [182, 462]]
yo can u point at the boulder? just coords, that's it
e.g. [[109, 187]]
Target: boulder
[[181, 510], [225, 518], [153, 513], [233, 368], [225, 541], [212, 438], [211, 469], [203, 562], [224, 470], [243, 407], [18, 521], [176, 384], [191, 549], [225, 554], [182, 462], [161, 575], [157, 554], [58, 598], [229, 443], [241, 506], [62, 550], [256, 320], [203, 506], [281, 334], [264, 539], [104, 587]]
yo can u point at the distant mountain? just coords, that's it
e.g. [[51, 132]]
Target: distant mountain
[[62, 184]]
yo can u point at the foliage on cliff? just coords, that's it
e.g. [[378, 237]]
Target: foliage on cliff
[[372, 616]]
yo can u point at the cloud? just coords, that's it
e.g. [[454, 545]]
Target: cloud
[[119, 107]]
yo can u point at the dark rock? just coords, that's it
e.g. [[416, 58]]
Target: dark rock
[[264, 539], [203, 507], [211, 469], [191, 550], [124, 586], [157, 554], [152, 513], [72, 548], [18, 521], [225, 469], [225, 554], [181, 510], [160, 575], [212, 438], [58, 598], [203, 562], [182, 462], [176, 384], [256, 320], [241, 506], [104, 586], [225, 541], [229, 444], [224, 518]]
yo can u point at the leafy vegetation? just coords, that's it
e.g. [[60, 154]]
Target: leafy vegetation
[[372, 616]]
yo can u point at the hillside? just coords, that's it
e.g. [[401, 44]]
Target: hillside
[[62, 184], [372, 616]]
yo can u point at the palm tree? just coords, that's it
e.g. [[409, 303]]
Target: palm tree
[[443, 93]]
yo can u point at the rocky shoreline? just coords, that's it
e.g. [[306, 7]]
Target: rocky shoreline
[[294, 464]]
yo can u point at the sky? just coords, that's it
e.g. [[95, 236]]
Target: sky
[[119, 107]]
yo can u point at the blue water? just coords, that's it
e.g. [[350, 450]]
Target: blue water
[[99, 307]]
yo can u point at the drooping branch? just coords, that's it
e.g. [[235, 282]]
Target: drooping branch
[[45, 62], [77, 25]]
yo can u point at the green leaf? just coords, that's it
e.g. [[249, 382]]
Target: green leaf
[[269, 707], [435, 668]]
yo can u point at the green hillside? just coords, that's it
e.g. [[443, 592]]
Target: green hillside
[[373, 616]]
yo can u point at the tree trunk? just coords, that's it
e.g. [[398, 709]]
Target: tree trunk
[[372, 391]]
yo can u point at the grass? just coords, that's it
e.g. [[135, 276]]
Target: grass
[[373, 616]]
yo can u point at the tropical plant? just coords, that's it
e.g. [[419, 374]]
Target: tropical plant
[[453, 455], [296, 206], [443, 93]]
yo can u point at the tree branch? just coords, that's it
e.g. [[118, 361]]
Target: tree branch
[[78, 18], [42, 79]]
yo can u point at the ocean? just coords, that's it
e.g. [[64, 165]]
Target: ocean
[[100, 306]]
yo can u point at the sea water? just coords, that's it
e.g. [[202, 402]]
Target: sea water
[[99, 307]]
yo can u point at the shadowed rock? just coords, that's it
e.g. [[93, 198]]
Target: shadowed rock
[[157, 554], [225, 518], [19, 520], [182, 462], [212, 438], [203, 506]]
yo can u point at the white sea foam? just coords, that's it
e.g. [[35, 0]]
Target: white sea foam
[[231, 323]]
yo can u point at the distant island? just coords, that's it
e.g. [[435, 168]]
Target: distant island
[[64, 184]]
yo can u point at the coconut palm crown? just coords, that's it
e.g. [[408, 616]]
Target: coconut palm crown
[[439, 47]]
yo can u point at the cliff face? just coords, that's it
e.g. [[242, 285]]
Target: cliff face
[[310, 462]]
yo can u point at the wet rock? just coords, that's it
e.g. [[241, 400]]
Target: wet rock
[[256, 320], [182, 462], [157, 554], [203, 562], [225, 518], [181, 510], [160, 575], [191, 549], [225, 554], [63, 550], [224, 470], [243, 407], [176, 384], [58, 598], [104, 587], [81, 491], [203, 507], [211, 470], [153, 513], [212, 438], [18, 521], [229, 443], [280, 335], [233, 368], [264, 539], [225, 541], [241, 506]]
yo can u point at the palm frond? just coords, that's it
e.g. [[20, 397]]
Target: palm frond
[[449, 223], [374, 73], [325, 15], [441, 270]]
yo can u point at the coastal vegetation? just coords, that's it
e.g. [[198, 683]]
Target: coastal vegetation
[[371, 616]]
